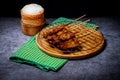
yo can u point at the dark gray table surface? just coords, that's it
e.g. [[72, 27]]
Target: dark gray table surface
[[104, 66]]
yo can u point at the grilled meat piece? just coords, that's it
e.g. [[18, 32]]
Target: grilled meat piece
[[64, 34], [52, 30], [53, 39], [71, 44], [62, 38]]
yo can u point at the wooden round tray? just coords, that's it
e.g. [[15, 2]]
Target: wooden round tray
[[91, 40]]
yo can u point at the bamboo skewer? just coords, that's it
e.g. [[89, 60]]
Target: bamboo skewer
[[80, 17], [77, 19], [87, 20]]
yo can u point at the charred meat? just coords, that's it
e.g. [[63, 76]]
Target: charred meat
[[62, 38]]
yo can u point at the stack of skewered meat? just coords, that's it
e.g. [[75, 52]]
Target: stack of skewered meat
[[62, 38]]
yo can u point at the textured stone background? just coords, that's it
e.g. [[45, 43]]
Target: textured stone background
[[104, 66]]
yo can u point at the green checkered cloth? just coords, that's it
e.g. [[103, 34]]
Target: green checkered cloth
[[30, 53]]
